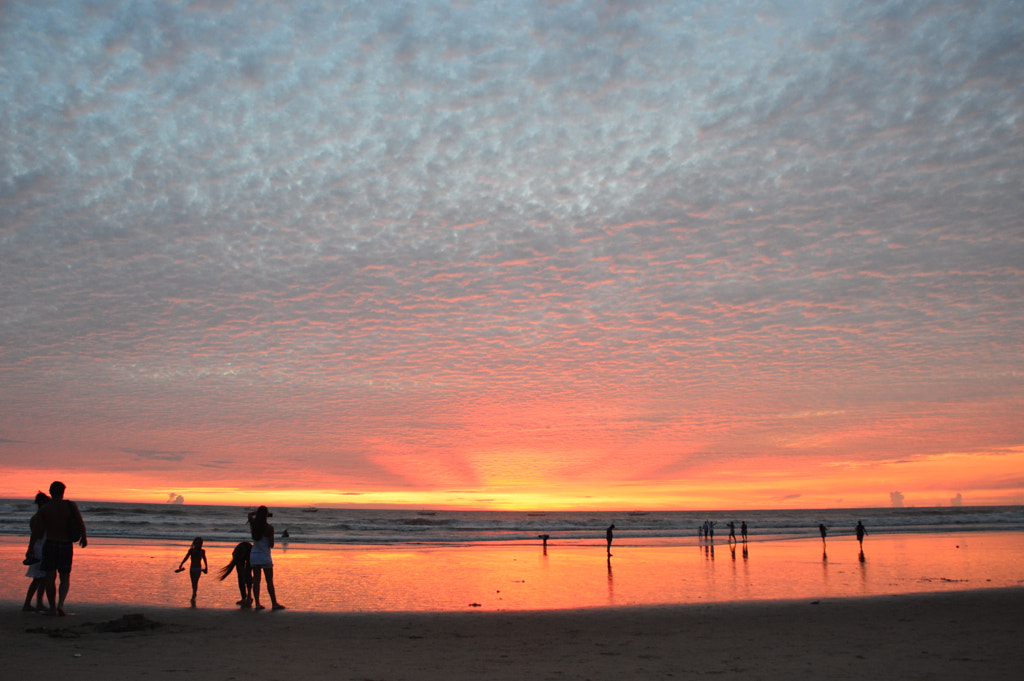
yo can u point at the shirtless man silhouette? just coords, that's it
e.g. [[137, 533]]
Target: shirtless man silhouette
[[58, 549]]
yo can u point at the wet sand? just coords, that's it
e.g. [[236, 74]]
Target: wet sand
[[501, 577], [951, 635]]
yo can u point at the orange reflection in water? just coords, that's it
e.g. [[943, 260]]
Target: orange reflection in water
[[522, 577]]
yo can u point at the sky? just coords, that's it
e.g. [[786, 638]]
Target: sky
[[513, 255]]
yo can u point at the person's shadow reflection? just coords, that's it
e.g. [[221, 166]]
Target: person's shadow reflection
[[611, 583]]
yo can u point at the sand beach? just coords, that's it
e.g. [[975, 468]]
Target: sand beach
[[953, 635]]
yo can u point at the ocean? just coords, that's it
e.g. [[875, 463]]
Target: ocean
[[342, 526]]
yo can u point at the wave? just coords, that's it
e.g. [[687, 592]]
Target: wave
[[180, 523]]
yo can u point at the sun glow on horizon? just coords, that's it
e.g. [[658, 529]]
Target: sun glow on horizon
[[764, 484]]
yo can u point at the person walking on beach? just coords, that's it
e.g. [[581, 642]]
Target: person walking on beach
[[860, 535], [62, 525], [259, 557], [197, 566], [823, 530], [732, 531], [240, 564], [34, 559], [743, 531], [608, 536]]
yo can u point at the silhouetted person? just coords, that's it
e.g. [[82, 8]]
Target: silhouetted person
[[259, 557], [240, 564], [34, 559], [544, 538], [608, 536], [62, 526], [824, 531], [743, 531], [732, 531], [196, 555], [860, 535], [711, 530]]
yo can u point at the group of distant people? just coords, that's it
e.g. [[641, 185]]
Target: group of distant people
[[55, 527], [250, 561], [859, 531], [706, 531]]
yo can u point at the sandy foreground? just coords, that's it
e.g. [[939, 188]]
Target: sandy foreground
[[953, 635]]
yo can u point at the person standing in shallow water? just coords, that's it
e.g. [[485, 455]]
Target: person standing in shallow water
[[860, 535], [259, 557], [608, 535], [58, 516], [823, 530]]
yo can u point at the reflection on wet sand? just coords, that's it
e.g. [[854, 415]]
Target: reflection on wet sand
[[525, 577]]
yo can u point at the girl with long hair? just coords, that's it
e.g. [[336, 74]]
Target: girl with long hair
[[259, 557], [240, 564]]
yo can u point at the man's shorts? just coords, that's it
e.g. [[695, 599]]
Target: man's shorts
[[57, 555]]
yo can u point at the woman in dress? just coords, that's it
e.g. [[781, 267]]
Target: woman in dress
[[259, 557]]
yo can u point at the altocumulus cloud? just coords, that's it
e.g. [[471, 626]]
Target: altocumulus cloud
[[364, 218]]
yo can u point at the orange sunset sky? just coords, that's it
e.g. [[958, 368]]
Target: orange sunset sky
[[574, 255]]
